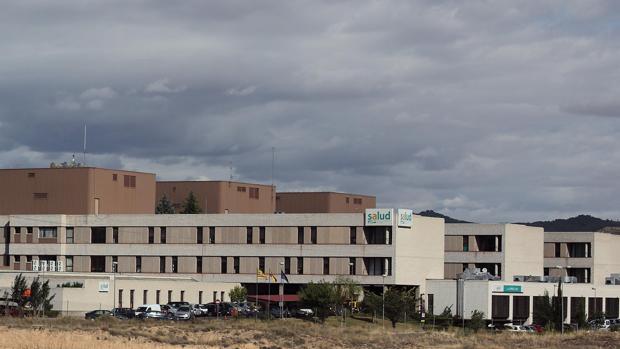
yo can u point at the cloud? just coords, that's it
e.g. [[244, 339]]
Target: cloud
[[163, 86], [488, 111]]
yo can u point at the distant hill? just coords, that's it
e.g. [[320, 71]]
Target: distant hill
[[431, 213], [578, 223]]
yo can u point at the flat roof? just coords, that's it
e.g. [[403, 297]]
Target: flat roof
[[218, 181], [72, 168], [323, 192]]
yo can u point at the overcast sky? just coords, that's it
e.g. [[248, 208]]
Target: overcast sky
[[483, 110]]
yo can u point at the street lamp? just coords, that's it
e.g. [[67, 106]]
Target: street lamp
[[383, 302], [281, 292], [114, 268], [595, 308]]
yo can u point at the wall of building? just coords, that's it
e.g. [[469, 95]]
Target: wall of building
[[220, 196], [323, 202], [605, 256], [419, 251], [523, 251]]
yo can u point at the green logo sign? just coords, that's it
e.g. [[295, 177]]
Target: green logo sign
[[379, 216], [512, 289]]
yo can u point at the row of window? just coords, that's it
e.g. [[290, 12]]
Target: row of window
[[158, 300]]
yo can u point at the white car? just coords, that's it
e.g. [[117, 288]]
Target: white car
[[514, 328]]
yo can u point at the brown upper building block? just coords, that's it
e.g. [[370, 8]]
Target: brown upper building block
[[323, 202], [220, 196], [75, 190]]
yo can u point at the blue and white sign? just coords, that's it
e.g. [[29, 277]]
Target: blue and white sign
[[379, 217], [405, 217]]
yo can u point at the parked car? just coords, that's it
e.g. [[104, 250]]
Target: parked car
[[514, 328], [156, 315], [304, 313], [145, 308], [276, 312], [176, 305], [123, 313], [218, 309], [95, 314], [197, 311], [534, 328], [184, 313]]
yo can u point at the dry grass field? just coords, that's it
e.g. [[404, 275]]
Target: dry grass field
[[248, 334]]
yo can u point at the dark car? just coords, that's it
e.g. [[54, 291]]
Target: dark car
[[95, 314], [275, 312], [218, 309], [156, 315], [123, 313]]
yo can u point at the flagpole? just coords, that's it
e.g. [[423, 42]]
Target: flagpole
[[256, 298]]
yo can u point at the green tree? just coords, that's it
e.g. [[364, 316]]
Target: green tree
[[191, 205], [238, 294], [164, 206], [397, 303], [346, 290], [543, 311], [17, 290], [40, 298], [582, 321], [320, 296], [372, 303], [477, 321]]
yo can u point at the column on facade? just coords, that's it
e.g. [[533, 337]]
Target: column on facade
[[510, 308]]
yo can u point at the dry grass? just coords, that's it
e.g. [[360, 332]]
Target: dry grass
[[69, 333]]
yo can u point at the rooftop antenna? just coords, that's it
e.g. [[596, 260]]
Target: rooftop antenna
[[84, 144], [231, 170], [273, 161]]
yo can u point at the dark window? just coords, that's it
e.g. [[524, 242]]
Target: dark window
[[499, 307], [353, 235], [611, 308], [223, 265], [30, 174], [129, 181], [352, 265], [557, 249], [199, 265], [466, 243], [69, 235], [249, 235], [114, 177], [182, 296], [162, 264], [300, 265], [211, 235], [325, 266], [114, 264], [175, 264], [157, 296], [39, 195], [357, 201], [595, 305], [115, 235], [69, 263], [521, 307], [120, 298], [300, 235], [17, 259], [144, 297], [199, 235], [163, 234], [577, 304], [214, 296], [313, 235], [139, 265], [151, 235], [236, 265], [287, 265], [97, 235], [261, 263], [29, 231], [97, 264], [431, 303], [169, 296], [261, 235], [241, 189], [222, 296], [253, 193], [346, 200]]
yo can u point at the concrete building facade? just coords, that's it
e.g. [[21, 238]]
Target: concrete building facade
[[220, 196], [323, 202], [589, 256], [76, 190], [505, 250]]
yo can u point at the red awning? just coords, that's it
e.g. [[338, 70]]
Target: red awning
[[274, 298]]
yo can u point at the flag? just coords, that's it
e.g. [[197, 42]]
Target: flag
[[272, 278], [260, 274], [283, 277]]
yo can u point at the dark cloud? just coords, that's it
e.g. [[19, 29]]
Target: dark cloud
[[486, 111]]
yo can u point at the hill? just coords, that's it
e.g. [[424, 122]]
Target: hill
[[577, 223], [431, 213]]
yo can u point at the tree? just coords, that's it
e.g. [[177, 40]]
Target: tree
[[581, 313], [40, 298], [17, 290], [346, 291], [321, 297], [238, 294], [191, 205], [372, 302], [164, 206], [477, 321], [397, 303]]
